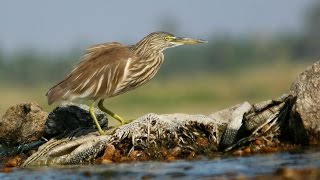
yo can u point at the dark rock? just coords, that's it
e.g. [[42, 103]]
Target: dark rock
[[22, 123], [69, 116], [307, 89]]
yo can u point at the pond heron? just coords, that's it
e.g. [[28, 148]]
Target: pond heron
[[110, 69]]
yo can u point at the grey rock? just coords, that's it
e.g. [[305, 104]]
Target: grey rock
[[306, 88], [22, 123], [69, 116]]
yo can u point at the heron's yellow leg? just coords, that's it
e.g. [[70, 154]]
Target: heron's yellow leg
[[115, 116], [93, 115]]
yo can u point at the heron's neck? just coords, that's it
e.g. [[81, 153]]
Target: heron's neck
[[146, 49]]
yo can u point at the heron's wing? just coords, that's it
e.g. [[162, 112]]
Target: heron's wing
[[96, 76]]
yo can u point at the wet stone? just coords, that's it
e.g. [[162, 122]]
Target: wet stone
[[69, 116], [14, 162], [306, 110], [109, 154], [22, 123]]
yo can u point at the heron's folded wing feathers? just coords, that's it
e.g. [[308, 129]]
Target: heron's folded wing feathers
[[96, 76]]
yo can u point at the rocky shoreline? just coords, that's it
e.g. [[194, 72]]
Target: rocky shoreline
[[30, 136]]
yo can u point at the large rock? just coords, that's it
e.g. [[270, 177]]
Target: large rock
[[22, 123], [69, 116], [307, 108]]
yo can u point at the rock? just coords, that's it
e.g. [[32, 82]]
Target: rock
[[69, 116], [22, 123], [14, 162], [306, 88]]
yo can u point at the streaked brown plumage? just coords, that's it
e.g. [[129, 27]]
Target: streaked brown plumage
[[110, 69], [103, 65]]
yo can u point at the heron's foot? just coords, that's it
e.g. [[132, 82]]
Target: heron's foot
[[126, 121], [115, 127], [120, 119], [112, 114]]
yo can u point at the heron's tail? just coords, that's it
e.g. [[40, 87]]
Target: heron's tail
[[54, 94]]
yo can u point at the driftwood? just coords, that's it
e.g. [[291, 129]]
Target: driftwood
[[292, 118]]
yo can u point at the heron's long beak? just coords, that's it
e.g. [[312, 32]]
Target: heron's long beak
[[183, 41]]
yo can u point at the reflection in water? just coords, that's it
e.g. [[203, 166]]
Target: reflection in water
[[231, 166]]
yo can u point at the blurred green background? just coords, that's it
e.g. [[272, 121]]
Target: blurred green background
[[230, 69]]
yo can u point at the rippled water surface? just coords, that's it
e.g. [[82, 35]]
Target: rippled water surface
[[248, 166]]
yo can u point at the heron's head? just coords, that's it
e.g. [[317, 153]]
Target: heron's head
[[159, 41]]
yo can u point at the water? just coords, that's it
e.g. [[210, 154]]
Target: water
[[248, 166]]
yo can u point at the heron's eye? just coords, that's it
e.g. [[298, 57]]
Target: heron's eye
[[167, 38]]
